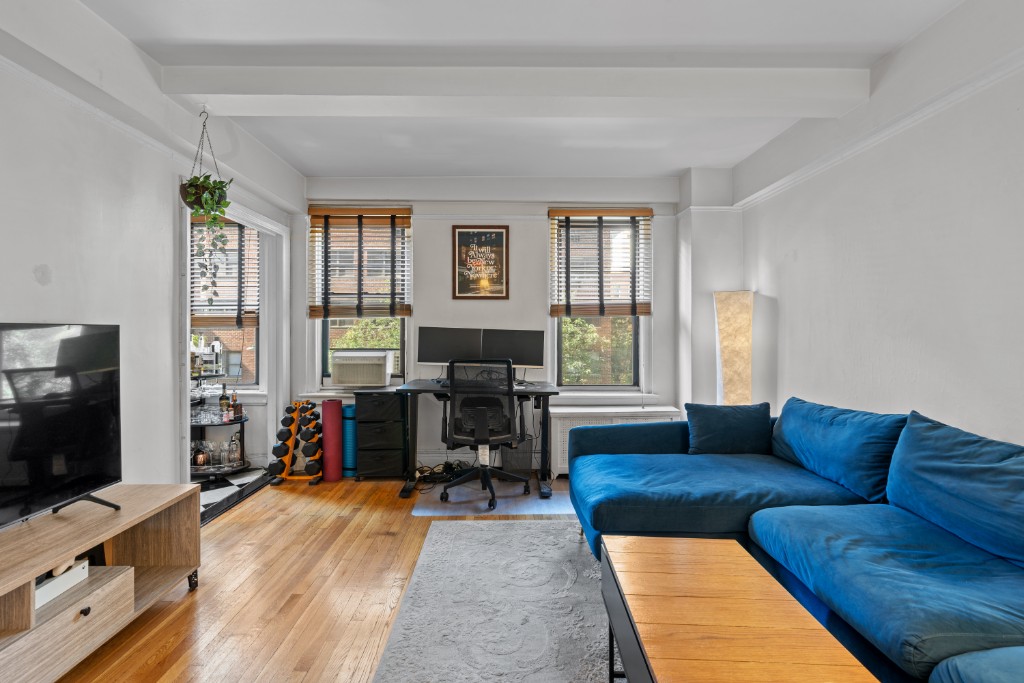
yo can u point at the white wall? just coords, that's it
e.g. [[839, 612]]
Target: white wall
[[711, 254], [93, 233], [893, 279], [433, 306], [92, 155], [527, 305], [90, 226]]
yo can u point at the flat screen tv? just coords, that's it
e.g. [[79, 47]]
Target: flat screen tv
[[60, 415]]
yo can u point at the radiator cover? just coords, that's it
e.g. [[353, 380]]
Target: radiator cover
[[564, 418]]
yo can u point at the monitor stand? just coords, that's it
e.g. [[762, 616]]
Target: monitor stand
[[88, 497]]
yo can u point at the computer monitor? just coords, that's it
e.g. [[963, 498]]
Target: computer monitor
[[441, 344], [524, 347]]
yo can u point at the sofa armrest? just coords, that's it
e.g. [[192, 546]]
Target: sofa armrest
[[642, 437]]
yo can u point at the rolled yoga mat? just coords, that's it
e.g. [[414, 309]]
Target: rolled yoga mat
[[330, 415]]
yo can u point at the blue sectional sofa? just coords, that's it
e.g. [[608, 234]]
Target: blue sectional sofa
[[909, 530]]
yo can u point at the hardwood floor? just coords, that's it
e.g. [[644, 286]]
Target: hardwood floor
[[297, 583]]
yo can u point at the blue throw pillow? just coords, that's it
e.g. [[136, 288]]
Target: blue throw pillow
[[850, 447], [730, 429], [970, 486]]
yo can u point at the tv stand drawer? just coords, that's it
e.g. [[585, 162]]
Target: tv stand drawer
[[71, 626]]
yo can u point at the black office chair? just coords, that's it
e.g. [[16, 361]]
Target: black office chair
[[483, 409]]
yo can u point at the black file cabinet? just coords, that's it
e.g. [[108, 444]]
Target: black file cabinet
[[381, 439]]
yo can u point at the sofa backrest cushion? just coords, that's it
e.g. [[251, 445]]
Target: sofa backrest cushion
[[970, 486], [730, 429], [849, 447]]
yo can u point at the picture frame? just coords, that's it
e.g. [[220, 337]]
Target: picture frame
[[480, 262]]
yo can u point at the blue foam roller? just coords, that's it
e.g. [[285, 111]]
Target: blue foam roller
[[348, 434]]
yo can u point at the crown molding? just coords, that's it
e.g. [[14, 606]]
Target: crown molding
[[709, 210], [986, 78]]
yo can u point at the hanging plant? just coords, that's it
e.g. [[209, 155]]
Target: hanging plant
[[208, 199]]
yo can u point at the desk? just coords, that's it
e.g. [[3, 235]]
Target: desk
[[535, 390]]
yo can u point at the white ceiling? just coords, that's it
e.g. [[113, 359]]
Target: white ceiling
[[688, 97]]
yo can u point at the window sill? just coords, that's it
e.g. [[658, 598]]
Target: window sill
[[569, 397], [322, 394]]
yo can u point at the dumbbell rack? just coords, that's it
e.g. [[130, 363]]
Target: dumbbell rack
[[300, 422]]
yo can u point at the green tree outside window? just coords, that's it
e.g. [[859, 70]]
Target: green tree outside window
[[597, 351]]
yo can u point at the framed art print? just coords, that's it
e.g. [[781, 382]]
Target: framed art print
[[480, 261]]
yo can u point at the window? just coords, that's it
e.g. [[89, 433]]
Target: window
[[600, 287], [595, 351], [233, 361], [224, 296], [364, 334], [360, 279]]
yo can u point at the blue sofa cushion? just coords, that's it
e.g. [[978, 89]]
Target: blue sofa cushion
[[849, 447], [659, 493], [916, 591], [730, 429], [1001, 665], [967, 484]]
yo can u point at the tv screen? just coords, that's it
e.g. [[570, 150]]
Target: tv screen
[[60, 414], [441, 344], [524, 347]]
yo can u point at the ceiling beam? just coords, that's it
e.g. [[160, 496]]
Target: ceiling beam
[[67, 46], [516, 92]]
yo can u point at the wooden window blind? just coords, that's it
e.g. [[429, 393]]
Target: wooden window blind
[[224, 283], [600, 262], [360, 262]]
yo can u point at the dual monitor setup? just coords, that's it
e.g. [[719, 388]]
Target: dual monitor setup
[[438, 345]]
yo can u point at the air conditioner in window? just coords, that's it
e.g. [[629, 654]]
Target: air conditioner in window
[[361, 368]]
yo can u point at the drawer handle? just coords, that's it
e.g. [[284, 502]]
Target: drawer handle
[[85, 611]]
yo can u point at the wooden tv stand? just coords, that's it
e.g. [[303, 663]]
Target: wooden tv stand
[[150, 545]]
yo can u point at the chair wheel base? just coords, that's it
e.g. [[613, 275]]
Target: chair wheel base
[[491, 504], [526, 489], [444, 496]]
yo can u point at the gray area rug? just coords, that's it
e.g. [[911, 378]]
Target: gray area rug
[[468, 499], [516, 601]]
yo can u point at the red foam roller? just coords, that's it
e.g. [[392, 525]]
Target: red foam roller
[[330, 417]]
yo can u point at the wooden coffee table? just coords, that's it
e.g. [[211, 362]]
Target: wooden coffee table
[[698, 609]]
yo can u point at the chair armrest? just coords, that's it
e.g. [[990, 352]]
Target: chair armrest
[[641, 437]]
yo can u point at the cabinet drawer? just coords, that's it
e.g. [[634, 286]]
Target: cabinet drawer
[[390, 463], [379, 435], [380, 407], [63, 636]]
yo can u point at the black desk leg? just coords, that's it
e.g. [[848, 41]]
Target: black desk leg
[[411, 420], [543, 477]]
